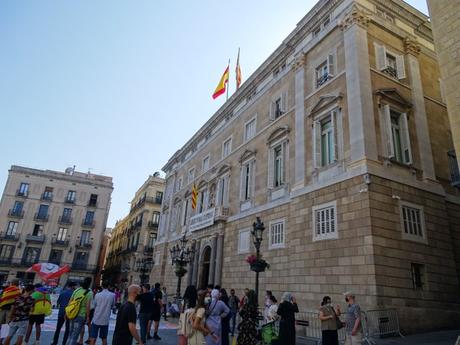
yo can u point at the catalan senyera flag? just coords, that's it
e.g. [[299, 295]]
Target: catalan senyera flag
[[194, 196], [222, 86], [238, 71]]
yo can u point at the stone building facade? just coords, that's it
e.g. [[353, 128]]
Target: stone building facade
[[130, 248], [339, 141], [56, 217]]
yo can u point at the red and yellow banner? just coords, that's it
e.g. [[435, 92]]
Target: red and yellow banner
[[222, 86], [194, 196], [238, 71]]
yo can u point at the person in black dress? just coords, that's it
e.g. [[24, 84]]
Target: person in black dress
[[225, 323], [247, 328], [286, 310]]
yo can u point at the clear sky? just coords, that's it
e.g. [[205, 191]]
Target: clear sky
[[116, 87]]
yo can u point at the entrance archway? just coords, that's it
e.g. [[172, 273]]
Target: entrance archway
[[205, 263]]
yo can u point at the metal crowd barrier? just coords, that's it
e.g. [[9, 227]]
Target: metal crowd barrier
[[382, 323]]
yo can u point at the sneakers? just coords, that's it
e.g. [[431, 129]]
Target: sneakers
[[156, 337]]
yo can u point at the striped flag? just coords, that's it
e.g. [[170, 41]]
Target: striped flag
[[221, 87], [194, 196], [238, 71]]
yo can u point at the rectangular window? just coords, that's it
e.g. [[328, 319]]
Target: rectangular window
[[66, 213], [250, 130], [42, 212], [81, 258], [389, 63], [71, 196], [395, 134], [325, 221], [244, 241], [413, 221], [327, 142], [325, 70], [226, 147], [247, 180], [48, 194], [31, 255], [85, 238], [17, 208], [222, 191], [89, 218], [55, 256], [156, 217], [190, 175], [279, 166], [186, 207], [152, 238], [276, 235], [38, 230], [205, 164], [418, 276], [179, 184], [159, 197], [23, 189], [92, 200], [6, 251], [12, 228], [62, 234]]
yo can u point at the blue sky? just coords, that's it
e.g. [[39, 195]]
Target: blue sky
[[118, 86]]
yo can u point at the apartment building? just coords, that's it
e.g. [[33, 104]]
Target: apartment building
[[130, 251], [52, 216], [339, 141]]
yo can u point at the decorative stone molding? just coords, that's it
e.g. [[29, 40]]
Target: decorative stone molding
[[411, 46], [299, 62], [355, 16]]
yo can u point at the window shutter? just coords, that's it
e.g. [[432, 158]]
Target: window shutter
[[387, 132], [317, 144], [284, 162], [218, 192], [271, 110], [253, 178], [270, 173], [284, 107], [405, 139], [242, 174], [226, 189], [380, 57], [400, 68], [331, 65], [249, 180], [334, 134]]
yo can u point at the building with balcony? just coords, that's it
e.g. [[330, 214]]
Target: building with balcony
[[51, 216], [132, 239], [340, 141]]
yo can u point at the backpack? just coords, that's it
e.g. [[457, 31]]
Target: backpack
[[186, 320], [42, 305], [72, 309]]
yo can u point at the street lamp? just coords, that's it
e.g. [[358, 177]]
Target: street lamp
[[257, 233], [143, 266], [181, 256]]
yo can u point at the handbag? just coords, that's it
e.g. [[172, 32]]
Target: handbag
[[338, 322]]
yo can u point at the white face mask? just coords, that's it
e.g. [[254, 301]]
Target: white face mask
[[207, 300]]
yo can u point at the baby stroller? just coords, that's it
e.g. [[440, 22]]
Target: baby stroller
[[270, 332]]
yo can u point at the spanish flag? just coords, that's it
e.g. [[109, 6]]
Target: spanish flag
[[238, 71], [194, 194], [221, 87]]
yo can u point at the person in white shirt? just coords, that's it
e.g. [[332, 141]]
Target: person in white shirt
[[104, 302]]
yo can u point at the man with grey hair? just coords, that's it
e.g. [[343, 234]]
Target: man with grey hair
[[125, 327], [353, 327]]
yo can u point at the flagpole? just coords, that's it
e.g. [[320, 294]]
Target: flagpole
[[228, 80]]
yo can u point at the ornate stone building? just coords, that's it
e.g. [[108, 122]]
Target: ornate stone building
[[132, 239], [339, 141], [52, 216]]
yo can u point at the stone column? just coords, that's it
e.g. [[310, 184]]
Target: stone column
[[196, 263], [191, 267], [418, 102], [219, 257], [359, 90], [212, 264], [299, 133]]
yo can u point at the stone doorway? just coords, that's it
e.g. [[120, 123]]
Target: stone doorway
[[205, 265]]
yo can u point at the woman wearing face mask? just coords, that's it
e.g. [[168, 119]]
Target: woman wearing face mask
[[272, 314], [198, 321], [216, 311], [329, 322]]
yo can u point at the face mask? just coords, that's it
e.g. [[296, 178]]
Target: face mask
[[329, 304], [207, 300]]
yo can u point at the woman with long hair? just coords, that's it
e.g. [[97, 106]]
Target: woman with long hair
[[190, 297], [199, 321], [247, 328], [329, 318], [286, 310], [216, 311]]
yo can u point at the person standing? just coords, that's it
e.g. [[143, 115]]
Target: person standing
[[104, 302], [272, 313], [157, 306], [216, 311], [233, 304], [164, 301], [198, 321], [9, 295], [353, 326], [62, 302], [41, 308], [286, 310], [247, 334], [20, 311], [146, 309], [267, 303], [190, 297], [225, 322], [328, 317], [125, 326], [82, 318]]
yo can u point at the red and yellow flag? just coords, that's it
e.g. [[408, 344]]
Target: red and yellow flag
[[238, 71], [194, 196], [221, 87]]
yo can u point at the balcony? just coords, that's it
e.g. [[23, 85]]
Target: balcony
[[47, 197], [65, 220], [6, 261], [92, 204], [88, 224], [16, 213], [69, 201], [83, 267], [152, 225], [22, 193], [138, 225], [60, 243], [84, 245], [222, 213], [41, 217], [9, 237], [148, 250], [454, 169], [28, 263], [323, 79], [35, 238]]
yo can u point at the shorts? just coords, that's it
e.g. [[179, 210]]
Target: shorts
[[18, 327], [37, 319], [4, 315], [103, 331], [156, 315], [91, 314]]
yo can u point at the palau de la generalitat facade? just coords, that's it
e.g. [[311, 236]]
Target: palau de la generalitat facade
[[340, 142]]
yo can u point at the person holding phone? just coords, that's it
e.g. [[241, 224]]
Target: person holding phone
[[286, 310]]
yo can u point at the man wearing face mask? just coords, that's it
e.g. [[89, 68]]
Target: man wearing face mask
[[353, 327]]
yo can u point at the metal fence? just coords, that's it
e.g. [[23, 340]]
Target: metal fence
[[382, 323]]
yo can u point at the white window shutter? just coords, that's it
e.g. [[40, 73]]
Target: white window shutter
[[271, 111], [242, 183], [284, 105], [271, 168], [249, 179], [400, 68], [387, 132], [317, 144], [380, 57], [405, 139], [334, 134], [331, 65], [284, 162], [253, 178]]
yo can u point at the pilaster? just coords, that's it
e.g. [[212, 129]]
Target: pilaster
[[212, 264], [299, 133], [196, 263], [219, 256]]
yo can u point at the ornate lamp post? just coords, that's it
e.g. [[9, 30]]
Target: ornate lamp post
[[143, 266], [181, 256], [258, 265]]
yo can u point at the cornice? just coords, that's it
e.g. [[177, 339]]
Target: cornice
[[411, 46], [355, 16]]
